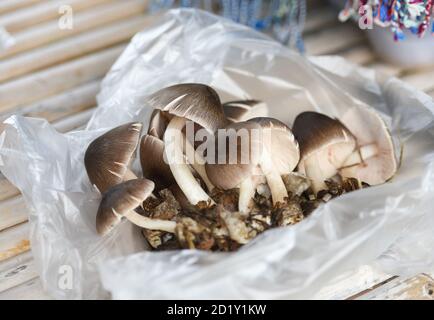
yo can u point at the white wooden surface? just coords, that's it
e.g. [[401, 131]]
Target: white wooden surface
[[61, 87]]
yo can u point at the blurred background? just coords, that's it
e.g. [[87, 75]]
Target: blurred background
[[54, 54]]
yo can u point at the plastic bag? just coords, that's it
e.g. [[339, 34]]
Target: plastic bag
[[393, 222]]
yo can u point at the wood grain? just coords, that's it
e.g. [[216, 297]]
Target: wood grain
[[71, 48], [13, 5], [51, 81], [419, 287], [13, 241], [27, 17], [332, 40], [360, 54], [74, 121], [17, 270], [423, 80], [7, 190], [12, 212], [387, 69], [83, 21], [351, 283], [30, 290], [62, 105]]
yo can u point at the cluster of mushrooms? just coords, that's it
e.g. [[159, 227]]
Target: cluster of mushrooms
[[222, 205]]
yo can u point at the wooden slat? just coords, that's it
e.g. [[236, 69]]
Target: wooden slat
[[83, 21], [13, 5], [71, 48], [420, 287], [57, 79], [361, 54], [334, 39], [25, 18], [73, 122], [423, 80], [352, 283], [62, 105], [31, 290], [7, 190], [387, 69], [14, 241], [16, 271]]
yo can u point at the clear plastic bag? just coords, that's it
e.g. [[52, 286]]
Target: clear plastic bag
[[392, 224]]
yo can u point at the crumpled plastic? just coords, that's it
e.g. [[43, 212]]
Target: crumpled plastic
[[391, 225]]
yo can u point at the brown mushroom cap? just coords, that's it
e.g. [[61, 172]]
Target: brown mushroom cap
[[196, 102], [119, 200], [316, 132], [282, 146], [107, 157], [370, 129], [243, 110], [153, 165], [229, 175]]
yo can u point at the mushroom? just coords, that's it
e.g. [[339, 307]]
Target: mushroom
[[181, 103], [121, 201], [374, 160], [243, 171], [107, 158], [155, 168], [243, 110], [325, 144], [280, 154], [266, 157], [157, 127]]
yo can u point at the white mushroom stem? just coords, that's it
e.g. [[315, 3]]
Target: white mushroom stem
[[361, 154], [180, 170], [274, 180], [247, 192], [197, 162], [317, 173], [148, 223]]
